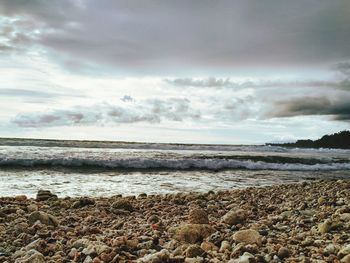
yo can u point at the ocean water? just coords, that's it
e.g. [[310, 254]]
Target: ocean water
[[73, 168]]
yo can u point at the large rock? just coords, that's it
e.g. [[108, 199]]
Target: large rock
[[32, 256], [198, 216], [191, 233], [248, 236], [123, 204], [43, 217], [234, 217], [44, 195]]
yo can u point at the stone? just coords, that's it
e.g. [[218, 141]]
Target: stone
[[158, 257], [91, 246], [344, 251], [32, 256], [83, 202], [345, 217], [153, 219], [44, 195], [248, 236], [330, 249], [32, 207], [198, 216], [123, 204], [345, 259], [209, 246], [194, 251], [283, 252], [234, 217], [43, 217], [245, 258], [325, 227], [225, 245], [193, 260], [20, 198], [191, 233]]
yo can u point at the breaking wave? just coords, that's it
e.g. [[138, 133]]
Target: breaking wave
[[180, 164]]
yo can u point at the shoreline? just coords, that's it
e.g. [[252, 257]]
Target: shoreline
[[302, 222]]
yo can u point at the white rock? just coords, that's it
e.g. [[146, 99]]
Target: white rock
[[245, 258]]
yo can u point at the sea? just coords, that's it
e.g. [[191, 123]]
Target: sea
[[92, 168]]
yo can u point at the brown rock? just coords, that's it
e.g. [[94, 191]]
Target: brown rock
[[44, 218], [234, 217], [123, 204], [194, 251], [325, 227], [191, 233], [21, 198], [209, 246], [283, 252], [345, 259], [198, 216], [248, 236]]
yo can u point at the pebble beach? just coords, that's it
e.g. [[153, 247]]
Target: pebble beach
[[304, 222]]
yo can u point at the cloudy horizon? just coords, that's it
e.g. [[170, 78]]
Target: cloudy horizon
[[232, 72]]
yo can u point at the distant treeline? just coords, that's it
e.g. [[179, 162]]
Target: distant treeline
[[340, 140]]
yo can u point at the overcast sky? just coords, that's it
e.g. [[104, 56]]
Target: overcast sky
[[195, 71]]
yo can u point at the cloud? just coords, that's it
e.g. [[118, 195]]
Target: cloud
[[147, 111], [26, 93], [175, 36], [337, 109], [203, 82], [127, 98]]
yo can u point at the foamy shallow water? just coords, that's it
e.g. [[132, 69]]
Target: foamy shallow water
[[108, 183], [90, 169]]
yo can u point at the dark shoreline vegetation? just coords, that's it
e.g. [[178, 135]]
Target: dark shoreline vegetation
[[303, 222], [340, 140]]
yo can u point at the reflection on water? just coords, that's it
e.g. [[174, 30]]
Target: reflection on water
[[96, 183]]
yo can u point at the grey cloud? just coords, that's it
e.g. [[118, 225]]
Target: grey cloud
[[149, 111], [213, 82], [173, 36], [337, 109], [343, 67], [204, 82], [16, 36], [127, 98]]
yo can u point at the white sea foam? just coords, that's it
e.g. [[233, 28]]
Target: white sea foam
[[257, 158], [172, 164]]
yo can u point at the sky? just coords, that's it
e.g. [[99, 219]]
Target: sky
[[185, 71]]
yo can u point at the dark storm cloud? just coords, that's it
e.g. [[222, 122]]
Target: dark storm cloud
[[170, 36], [148, 111], [337, 109]]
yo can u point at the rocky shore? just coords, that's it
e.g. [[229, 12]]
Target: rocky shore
[[306, 222]]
